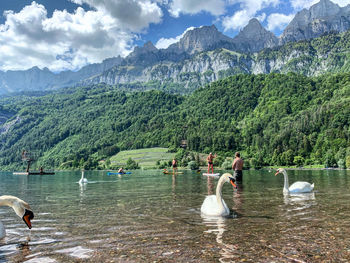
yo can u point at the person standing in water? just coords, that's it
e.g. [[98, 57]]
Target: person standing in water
[[210, 160], [237, 167], [174, 165]]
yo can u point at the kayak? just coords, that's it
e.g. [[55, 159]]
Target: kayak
[[212, 175], [112, 173]]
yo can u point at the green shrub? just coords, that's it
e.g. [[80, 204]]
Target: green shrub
[[255, 163], [347, 162], [227, 165], [341, 164], [218, 161], [131, 164], [298, 160], [193, 165]]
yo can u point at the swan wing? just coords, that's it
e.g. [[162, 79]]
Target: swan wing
[[301, 187], [211, 207], [83, 181]]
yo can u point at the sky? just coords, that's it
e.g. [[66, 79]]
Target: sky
[[69, 34]]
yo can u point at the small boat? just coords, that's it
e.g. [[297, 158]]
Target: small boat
[[28, 157], [33, 173], [116, 173]]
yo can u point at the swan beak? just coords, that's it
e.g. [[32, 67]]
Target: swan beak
[[277, 172], [232, 181], [28, 215]]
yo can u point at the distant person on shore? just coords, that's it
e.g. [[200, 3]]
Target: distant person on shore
[[24, 154], [174, 165], [210, 160], [237, 167]]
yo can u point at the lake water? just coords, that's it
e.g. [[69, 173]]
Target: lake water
[[151, 217]]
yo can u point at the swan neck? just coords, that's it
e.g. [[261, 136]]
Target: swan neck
[[286, 183], [15, 203], [6, 201], [219, 192]]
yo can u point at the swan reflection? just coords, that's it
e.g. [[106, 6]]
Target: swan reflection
[[299, 205], [82, 194], [299, 199], [218, 226]]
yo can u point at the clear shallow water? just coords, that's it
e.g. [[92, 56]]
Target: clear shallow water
[[148, 216]]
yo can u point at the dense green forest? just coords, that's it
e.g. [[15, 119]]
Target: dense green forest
[[275, 119]]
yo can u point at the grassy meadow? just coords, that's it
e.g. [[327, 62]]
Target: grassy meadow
[[146, 158]]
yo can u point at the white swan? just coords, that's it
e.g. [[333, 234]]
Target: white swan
[[297, 187], [214, 205], [21, 208], [83, 180]]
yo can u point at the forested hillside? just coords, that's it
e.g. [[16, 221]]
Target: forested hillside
[[272, 119]]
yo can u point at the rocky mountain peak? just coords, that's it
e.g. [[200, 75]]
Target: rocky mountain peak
[[324, 16], [252, 30], [200, 32], [323, 9], [148, 46], [199, 39], [254, 37], [253, 24]]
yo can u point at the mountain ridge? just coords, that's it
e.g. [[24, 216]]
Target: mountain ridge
[[323, 17], [313, 57]]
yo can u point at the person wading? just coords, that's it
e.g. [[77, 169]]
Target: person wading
[[174, 165], [237, 167]]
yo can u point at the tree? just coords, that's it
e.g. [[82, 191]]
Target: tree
[[255, 163], [299, 160], [193, 165], [131, 164], [347, 162], [108, 163], [329, 160], [227, 164], [287, 157]]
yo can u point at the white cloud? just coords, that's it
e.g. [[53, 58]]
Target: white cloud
[[301, 4], [341, 3], [166, 42], [262, 17], [238, 20], [215, 7], [70, 40], [278, 21], [130, 14], [248, 10]]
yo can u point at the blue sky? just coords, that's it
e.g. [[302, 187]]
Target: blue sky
[[69, 34]]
